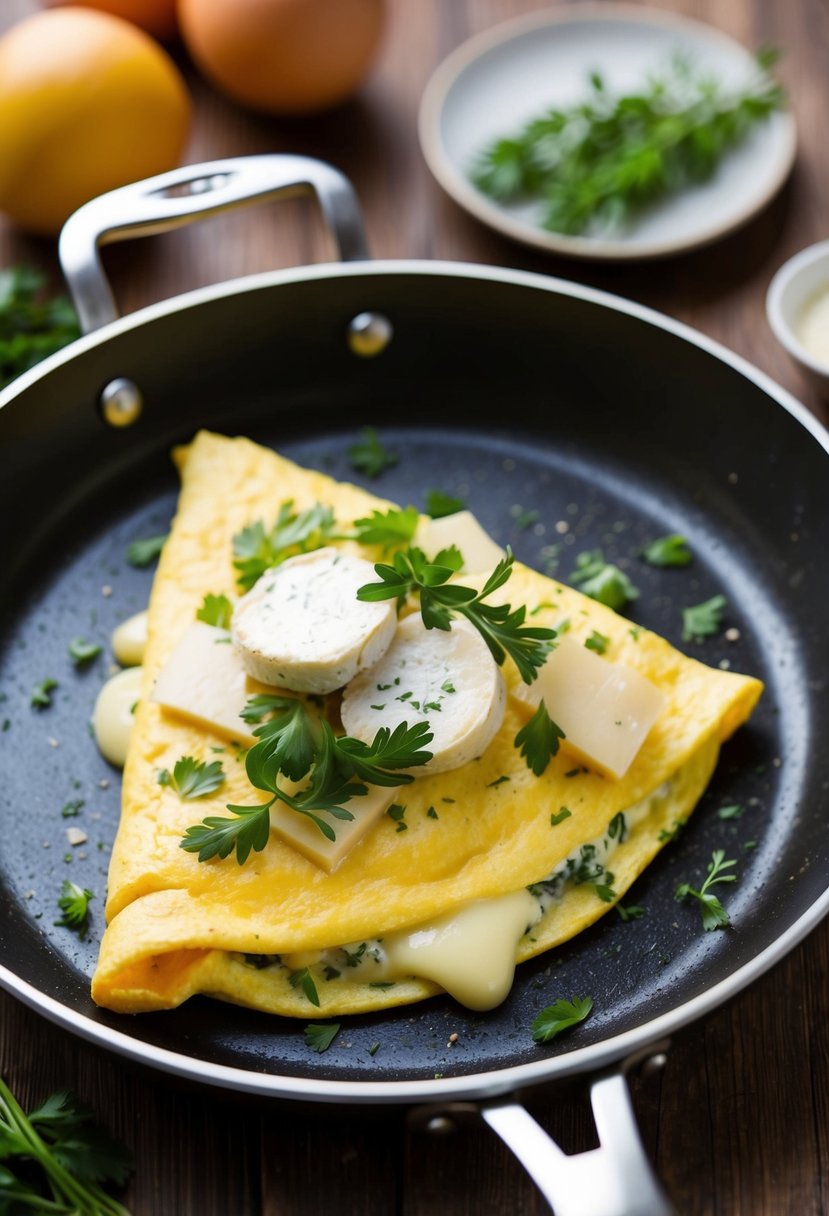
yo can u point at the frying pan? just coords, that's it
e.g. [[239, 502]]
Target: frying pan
[[522, 394]]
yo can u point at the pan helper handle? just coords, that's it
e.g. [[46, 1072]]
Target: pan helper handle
[[615, 1179], [184, 195]]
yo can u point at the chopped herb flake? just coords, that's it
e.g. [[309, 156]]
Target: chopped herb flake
[[560, 1016], [320, 1035]]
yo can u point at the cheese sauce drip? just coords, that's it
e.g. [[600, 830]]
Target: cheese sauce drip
[[129, 640], [471, 952], [113, 716]]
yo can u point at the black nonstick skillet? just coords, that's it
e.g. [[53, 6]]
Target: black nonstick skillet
[[568, 420]]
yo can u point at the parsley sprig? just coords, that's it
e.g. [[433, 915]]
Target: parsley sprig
[[538, 740], [596, 164], [192, 778], [560, 1016], [257, 548], [369, 456], [501, 626], [603, 581], [703, 620], [714, 915], [66, 1159], [215, 610], [296, 744], [73, 902]]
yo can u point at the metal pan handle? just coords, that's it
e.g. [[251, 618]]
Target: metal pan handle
[[615, 1179], [184, 195]]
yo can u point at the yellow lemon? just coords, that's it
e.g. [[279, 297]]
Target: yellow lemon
[[88, 102]]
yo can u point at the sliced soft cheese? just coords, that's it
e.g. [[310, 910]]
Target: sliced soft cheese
[[480, 552], [303, 628], [204, 679], [605, 709], [447, 677], [300, 832]]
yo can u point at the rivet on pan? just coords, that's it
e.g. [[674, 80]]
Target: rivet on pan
[[121, 402], [440, 1125], [369, 334], [654, 1064]]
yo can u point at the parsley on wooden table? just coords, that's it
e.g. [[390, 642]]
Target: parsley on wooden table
[[596, 164], [31, 327], [560, 1016], [58, 1159]]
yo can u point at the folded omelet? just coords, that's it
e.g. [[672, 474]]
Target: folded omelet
[[483, 833]]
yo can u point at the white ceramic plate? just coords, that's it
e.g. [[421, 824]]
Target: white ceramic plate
[[491, 85]]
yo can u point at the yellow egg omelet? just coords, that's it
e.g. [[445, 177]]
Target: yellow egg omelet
[[178, 926]]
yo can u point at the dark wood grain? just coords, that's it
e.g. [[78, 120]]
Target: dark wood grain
[[738, 1122]]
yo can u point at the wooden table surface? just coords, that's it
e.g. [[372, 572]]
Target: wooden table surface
[[738, 1121]]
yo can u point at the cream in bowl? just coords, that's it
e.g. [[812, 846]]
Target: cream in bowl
[[797, 307]]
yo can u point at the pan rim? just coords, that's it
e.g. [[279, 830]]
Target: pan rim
[[500, 1081]]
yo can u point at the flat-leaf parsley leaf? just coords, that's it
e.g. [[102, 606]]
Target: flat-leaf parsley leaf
[[703, 620], [320, 1035], [194, 778], [714, 915], [670, 550], [602, 580], [369, 456], [143, 552], [538, 740], [215, 610], [560, 1016], [73, 902]]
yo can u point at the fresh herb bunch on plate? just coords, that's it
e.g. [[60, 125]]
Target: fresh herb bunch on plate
[[595, 164]]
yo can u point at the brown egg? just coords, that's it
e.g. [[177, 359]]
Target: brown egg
[[283, 56], [157, 17]]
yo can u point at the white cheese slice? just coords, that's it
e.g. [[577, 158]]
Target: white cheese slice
[[204, 679], [305, 836], [447, 677], [480, 552], [605, 709], [303, 628]]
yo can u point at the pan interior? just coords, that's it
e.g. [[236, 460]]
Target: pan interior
[[550, 499]]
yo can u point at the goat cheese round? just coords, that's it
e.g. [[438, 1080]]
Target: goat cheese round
[[447, 677], [302, 627]]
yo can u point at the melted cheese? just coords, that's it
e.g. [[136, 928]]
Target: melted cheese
[[129, 640], [114, 715]]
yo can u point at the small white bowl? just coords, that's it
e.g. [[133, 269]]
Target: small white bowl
[[796, 283]]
